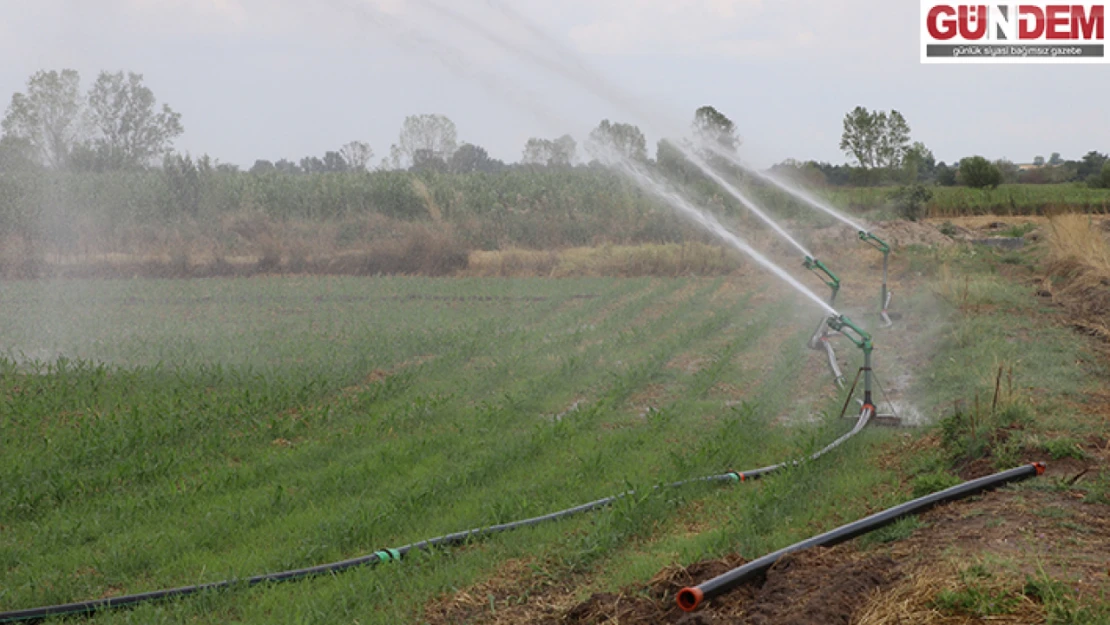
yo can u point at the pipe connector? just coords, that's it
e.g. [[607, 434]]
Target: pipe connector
[[388, 555], [690, 598]]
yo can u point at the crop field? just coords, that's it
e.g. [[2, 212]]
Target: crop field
[[193, 431]]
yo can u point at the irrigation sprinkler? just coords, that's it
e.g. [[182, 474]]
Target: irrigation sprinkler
[[820, 338], [863, 341], [884, 300]]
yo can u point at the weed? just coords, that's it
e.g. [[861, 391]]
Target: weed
[[1066, 447], [899, 530], [977, 597], [933, 482], [1018, 231]]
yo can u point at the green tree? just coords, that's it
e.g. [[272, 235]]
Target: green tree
[[471, 158], [979, 173], [357, 155], [16, 154], [860, 138], [1090, 166], [712, 126], [49, 117], [433, 136], [625, 139], [946, 176], [1055, 159], [560, 152], [918, 163], [894, 140], [1104, 177], [1038, 161], [262, 166], [132, 130], [875, 139]]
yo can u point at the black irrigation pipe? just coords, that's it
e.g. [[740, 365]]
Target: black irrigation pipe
[[392, 555], [690, 598]]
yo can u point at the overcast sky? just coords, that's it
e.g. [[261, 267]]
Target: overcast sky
[[286, 79]]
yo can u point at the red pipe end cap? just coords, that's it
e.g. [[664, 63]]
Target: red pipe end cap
[[1040, 467], [689, 598]]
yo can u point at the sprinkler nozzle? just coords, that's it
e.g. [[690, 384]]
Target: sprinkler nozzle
[[874, 241]]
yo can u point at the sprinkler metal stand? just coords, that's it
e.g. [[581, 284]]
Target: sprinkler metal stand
[[820, 338], [863, 341], [885, 296]]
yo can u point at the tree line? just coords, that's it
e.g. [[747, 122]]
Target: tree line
[[118, 125]]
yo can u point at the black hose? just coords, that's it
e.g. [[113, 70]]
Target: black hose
[[389, 555], [690, 598]]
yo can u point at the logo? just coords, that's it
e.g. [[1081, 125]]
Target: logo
[[1032, 32]]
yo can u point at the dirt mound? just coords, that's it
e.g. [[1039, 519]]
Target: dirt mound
[[903, 233], [817, 586], [896, 233]]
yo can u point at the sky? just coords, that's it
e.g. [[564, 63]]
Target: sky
[[271, 79]]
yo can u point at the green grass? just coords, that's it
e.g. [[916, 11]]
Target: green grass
[[174, 433], [194, 431]]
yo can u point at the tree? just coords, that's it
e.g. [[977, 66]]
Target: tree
[[285, 166], [434, 136], [894, 139], [624, 139], [335, 163], [427, 160], [49, 117], [1055, 159], [946, 176], [357, 155], [132, 130], [1091, 165], [860, 137], [875, 139], [558, 153], [1010, 171], [1103, 179], [16, 154], [712, 126], [1038, 161], [979, 173], [919, 163], [312, 165], [262, 167], [470, 158]]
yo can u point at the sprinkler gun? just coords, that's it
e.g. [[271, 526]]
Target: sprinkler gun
[[862, 341], [829, 278], [880, 245]]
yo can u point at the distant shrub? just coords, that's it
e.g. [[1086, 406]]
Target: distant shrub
[[911, 200], [979, 173]]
